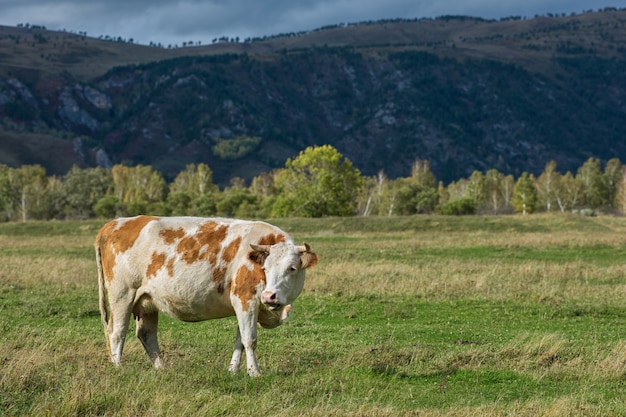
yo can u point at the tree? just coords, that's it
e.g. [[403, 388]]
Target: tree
[[411, 198], [418, 193], [192, 192], [319, 182], [83, 188], [237, 201], [37, 200], [497, 187], [263, 186], [140, 189], [121, 174], [24, 192], [493, 200], [613, 177], [548, 184], [594, 190], [620, 195], [422, 175], [507, 185], [107, 207], [370, 201], [55, 199], [477, 189], [570, 192], [264, 189], [179, 203], [525, 194], [444, 194], [195, 180]]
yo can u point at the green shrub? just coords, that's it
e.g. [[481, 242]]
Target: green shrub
[[459, 207], [235, 148], [107, 207]]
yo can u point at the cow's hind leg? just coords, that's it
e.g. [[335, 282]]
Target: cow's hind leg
[[235, 362], [147, 323], [117, 326]]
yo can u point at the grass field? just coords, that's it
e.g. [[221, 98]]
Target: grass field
[[442, 316]]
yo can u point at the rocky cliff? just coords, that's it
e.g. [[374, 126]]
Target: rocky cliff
[[463, 93]]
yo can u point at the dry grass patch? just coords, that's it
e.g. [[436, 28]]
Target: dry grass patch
[[551, 282], [614, 364]]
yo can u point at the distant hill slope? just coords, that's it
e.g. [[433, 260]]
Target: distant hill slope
[[463, 93]]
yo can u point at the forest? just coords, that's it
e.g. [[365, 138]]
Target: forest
[[319, 182]]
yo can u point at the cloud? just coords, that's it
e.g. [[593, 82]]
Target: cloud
[[174, 22]]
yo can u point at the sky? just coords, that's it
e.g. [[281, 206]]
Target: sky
[[174, 22]]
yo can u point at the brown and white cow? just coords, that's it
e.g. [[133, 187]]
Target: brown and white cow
[[196, 269]]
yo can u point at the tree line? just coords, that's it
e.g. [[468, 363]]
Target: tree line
[[320, 181]]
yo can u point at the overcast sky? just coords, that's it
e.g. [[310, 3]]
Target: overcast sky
[[172, 22]]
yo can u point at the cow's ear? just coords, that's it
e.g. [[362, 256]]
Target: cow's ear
[[308, 259], [259, 253]]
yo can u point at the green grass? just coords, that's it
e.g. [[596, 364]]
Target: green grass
[[438, 316]]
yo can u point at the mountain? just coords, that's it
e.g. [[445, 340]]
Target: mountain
[[464, 93]]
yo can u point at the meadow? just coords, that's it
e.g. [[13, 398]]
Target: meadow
[[425, 315]]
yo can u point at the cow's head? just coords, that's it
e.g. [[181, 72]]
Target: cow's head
[[284, 265]]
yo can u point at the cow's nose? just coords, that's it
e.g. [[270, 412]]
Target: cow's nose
[[268, 297]]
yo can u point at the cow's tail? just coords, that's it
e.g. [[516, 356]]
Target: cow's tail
[[102, 292]]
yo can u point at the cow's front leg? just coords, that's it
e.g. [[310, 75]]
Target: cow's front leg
[[147, 324], [249, 340], [246, 339]]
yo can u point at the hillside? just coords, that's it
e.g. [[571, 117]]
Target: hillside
[[461, 92]]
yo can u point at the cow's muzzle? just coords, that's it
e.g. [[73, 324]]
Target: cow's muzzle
[[270, 299]]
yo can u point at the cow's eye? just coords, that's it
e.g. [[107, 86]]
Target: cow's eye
[[292, 268]]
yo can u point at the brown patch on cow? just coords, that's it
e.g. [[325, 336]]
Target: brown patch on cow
[[172, 235], [246, 283], [211, 235], [156, 263], [231, 250], [107, 257], [271, 239], [205, 244], [124, 237], [170, 267], [189, 248], [106, 231], [228, 254], [114, 239], [218, 278]]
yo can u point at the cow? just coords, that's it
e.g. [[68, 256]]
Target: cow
[[196, 269]]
